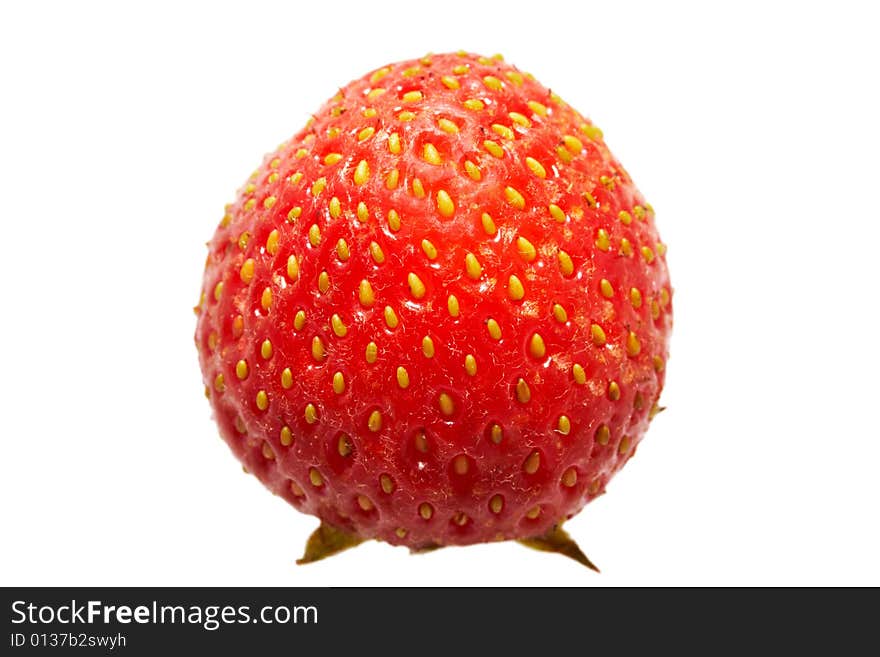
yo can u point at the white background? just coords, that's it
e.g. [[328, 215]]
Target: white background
[[752, 129]]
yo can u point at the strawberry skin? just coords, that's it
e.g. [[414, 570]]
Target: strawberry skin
[[440, 313]]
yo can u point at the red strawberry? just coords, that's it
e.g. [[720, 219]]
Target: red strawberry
[[439, 314]]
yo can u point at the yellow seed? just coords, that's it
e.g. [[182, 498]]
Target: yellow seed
[[591, 131], [625, 443], [275, 163], [220, 383], [635, 297], [361, 173], [566, 266], [563, 426], [366, 133], [315, 478], [633, 346], [266, 299], [250, 205], [559, 313], [269, 201], [343, 445], [597, 334], [515, 77], [537, 348], [400, 532], [449, 82], [406, 116], [311, 414], [488, 224], [613, 391], [364, 503], [526, 249], [563, 154], [429, 249], [447, 406], [523, 392], [323, 282], [603, 434], [376, 253], [496, 434], [603, 242], [493, 83], [578, 374], [470, 365], [416, 287], [431, 155], [262, 400], [519, 119], [573, 144], [533, 513], [338, 383], [294, 214], [342, 251], [247, 271], [639, 212], [375, 93], [532, 462], [390, 317], [286, 436], [494, 329], [664, 297], [393, 220], [299, 320], [557, 213], [218, 291], [452, 305], [371, 353], [241, 370], [412, 97], [418, 189], [625, 217], [374, 422], [493, 148], [394, 143], [335, 208], [332, 158], [537, 108], [402, 377], [536, 167], [461, 465], [461, 69], [387, 484], [647, 254], [447, 126], [444, 203], [237, 326], [426, 510], [515, 288], [318, 186], [378, 75], [473, 170], [496, 504], [338, 325], [318, 351], [286, 378], [243, 240], [625, 247], [272, 243], [661, 249], [590, 199], [266, 349], [365, 293], [502, 131], [605, 288], [314, 235], [428, 347], [472, 266]]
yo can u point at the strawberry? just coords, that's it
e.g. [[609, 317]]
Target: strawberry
[[439, 314]]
